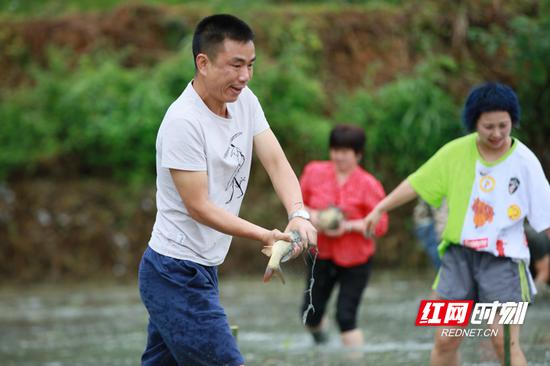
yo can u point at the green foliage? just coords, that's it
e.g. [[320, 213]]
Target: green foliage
[[406, 121], [292, 97], [100, 115], [56, 7], [530, 49], [103, 117], [489, 39]]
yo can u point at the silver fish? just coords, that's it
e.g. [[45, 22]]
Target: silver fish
[[280, 252]]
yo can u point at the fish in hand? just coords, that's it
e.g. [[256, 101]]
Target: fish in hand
[[279, 252]]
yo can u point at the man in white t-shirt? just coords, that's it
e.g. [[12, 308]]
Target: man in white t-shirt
[[204, 152]]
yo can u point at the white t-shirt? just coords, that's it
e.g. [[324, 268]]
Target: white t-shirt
[[193, 138], [502, 196], [488, 201]]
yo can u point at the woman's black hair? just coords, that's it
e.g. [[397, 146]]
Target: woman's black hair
[[347, 136], [490, 97]]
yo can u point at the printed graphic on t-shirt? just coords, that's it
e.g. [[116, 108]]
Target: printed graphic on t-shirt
[[500, 248], [487, 183], [476, 243], [514, 212], [483, 213], [235, 183], [513, 185]]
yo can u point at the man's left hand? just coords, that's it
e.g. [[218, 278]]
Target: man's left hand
[[308, 234]]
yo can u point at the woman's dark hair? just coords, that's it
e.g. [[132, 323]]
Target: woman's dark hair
[[347, 136], [490, 97], [214, 29]]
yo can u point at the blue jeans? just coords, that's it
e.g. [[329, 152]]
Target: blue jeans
[[187, 324], [428, 237]]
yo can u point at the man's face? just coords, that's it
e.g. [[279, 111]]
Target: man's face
[[228, 72]]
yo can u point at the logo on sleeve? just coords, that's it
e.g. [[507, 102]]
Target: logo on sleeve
[[513, 185]]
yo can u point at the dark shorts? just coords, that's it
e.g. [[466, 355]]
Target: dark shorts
[[467, 274], [352, 282], [187, 324]]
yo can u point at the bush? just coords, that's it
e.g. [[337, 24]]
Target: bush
[[406, 121], [293, 99], [101, 116], [530, 51]]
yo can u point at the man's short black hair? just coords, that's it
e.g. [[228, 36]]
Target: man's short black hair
[[490, 97], [347, 136], [214, 29]]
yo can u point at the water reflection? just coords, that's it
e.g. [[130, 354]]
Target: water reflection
[[104, 324]]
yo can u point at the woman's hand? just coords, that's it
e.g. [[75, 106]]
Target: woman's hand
[[372, 220], [343, 228]]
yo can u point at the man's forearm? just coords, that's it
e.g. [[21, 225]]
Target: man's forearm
[[221, 220], [287, 186], [280, 172]]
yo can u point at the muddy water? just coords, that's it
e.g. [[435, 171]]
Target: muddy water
[[104, 324]]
